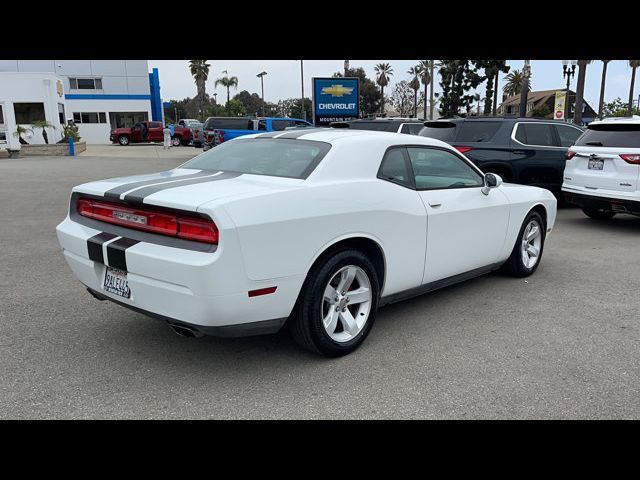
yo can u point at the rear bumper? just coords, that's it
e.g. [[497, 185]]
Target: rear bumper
[[208, 291], [603, 203]]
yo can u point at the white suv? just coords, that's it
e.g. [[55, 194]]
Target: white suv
[[603, 168]]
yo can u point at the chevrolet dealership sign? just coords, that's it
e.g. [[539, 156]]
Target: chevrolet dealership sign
[[335, 100]]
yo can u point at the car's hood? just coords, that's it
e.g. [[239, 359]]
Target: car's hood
[[183, 188]]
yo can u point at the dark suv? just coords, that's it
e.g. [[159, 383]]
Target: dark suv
[[521, 150], [412, 126]]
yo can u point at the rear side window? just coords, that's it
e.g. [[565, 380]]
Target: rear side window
[[394, 168], [474, 131], [624, 136], [567, 135], [444, 131], [411, 128], [536, 134], [228, 124], [278, 125], [263, 156]]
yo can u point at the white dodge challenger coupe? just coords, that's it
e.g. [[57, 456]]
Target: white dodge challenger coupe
[[317, 226]]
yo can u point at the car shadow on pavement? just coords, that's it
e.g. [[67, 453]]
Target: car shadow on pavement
[[620, 223]]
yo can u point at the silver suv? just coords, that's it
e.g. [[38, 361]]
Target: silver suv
[[603, 168]]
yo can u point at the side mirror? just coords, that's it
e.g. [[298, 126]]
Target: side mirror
[[491, 180]]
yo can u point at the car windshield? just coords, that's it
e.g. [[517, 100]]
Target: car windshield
[[620, 135], [263, 156]]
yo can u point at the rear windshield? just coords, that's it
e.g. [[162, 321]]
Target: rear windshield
[[477, 131], [263, 156], [439, 130], [626, 136]]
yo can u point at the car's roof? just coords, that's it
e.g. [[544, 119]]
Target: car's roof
[[335, 135], [634, 120], [494, 119], [386, 119]]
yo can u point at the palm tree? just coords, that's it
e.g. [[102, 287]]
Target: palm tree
[[383, 75], [18, 133], [43, 124], [425, 71], [633, 64], [514, 83], [227, 82], [602, 85], [200, 72], [415, 85], [582, 74]]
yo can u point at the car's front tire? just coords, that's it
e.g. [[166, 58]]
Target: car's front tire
[[527, 252], [123, 140], [337, 306], [598, 214]]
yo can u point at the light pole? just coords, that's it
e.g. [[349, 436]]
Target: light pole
[[526, 70], [304, 110], [261, 75], [568, 72]]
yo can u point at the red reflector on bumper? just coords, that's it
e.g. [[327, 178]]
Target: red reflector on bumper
[[262, 291]]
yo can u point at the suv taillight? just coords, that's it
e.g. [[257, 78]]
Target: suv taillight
[[631, 158], [221, 136], [463, 149], [150, 220], [569, 155]]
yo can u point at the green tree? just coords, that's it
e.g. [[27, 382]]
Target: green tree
[[514, 83], [383, 76], [227, 82], [251, 101], [633, 64], [235, 108], [200, 72], [579, 105], [424, 70], [457, 77], [43, 125], [492, 69], [401, 98], [370, 94], [618, 108], [541, 111]]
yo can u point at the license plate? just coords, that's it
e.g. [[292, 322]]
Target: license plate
[[595, 164], [115, 281]]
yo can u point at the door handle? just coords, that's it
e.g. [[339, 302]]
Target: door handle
[[518, 152], [435, 204]]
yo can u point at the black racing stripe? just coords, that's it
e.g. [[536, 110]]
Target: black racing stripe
[[301, 132], [94, 245], [138, 196], [116, 252], [115, 193]]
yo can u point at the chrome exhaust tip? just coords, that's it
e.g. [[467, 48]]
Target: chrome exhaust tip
[[185, 331]]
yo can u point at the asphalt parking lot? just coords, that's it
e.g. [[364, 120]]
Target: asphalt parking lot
[[564, 343]]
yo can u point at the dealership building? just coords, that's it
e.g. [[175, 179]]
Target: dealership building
[[98, 95]]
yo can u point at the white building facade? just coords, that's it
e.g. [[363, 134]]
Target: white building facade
[[99, 95]]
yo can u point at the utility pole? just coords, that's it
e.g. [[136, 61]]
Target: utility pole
[[261, 75], [430, 94], [346, 67], [526, 71], [495, 93]]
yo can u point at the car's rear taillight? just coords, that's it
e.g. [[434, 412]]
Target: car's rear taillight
[[569, 155], [221, 136], [150, 220], [631, 158], [463, 149]]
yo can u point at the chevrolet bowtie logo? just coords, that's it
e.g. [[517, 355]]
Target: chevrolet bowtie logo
[[336, 90]]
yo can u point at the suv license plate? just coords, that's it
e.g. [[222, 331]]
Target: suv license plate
[[595, 164], [115, 281]]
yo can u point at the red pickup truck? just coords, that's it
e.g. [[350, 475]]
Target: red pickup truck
[[149, 132]]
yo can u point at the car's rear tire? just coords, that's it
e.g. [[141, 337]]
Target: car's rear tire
[[123, 140], [176, 141], [527, 251], [598, 214], [327, 318]]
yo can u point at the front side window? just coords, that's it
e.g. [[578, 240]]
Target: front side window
[[263, 156], [539, 134], [394, 168], [568, 135], [437, 169]]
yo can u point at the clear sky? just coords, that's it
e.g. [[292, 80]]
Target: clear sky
[[283, 77]]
